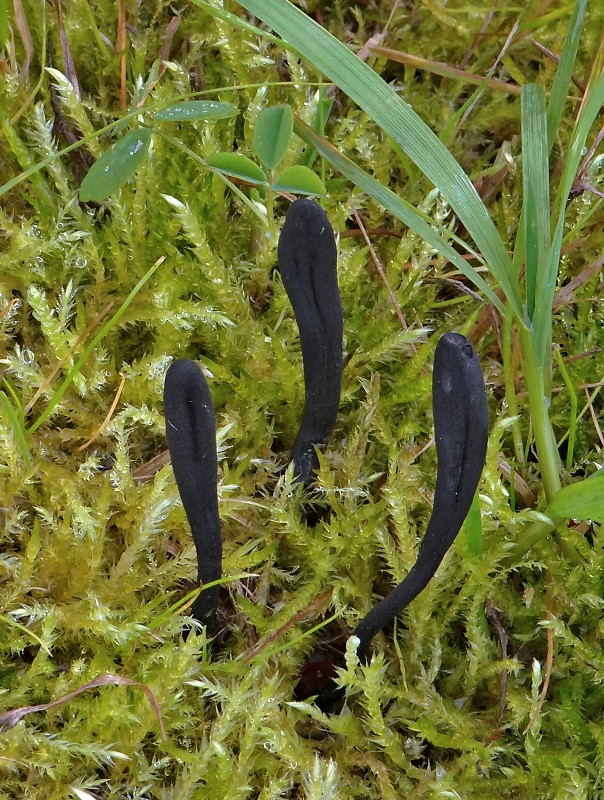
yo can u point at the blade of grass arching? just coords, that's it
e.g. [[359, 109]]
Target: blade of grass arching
[[545, 297], [302, 129], [57, 396], [14, 624], [564, 72], [399, 121], [17, 179], [535, 186], [324, 106], [396, 206]]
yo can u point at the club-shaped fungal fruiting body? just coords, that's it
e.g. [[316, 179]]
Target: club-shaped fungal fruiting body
[[191, 434], [461, 426], [307, 262]]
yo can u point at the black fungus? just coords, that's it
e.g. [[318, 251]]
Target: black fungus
[[461, 426], [307, 262], [191, 433]]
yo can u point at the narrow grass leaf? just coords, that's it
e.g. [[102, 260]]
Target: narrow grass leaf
[[572, 422], [545, 297], [272, 134], [473, 528], [18, 428], [58, 395], [324, 106], [535, 184], [236, 165], [192, 110], [298, 180], [116, 166], [582, 500], [564, 72], [3, 23], [8, 620], [399, 121], [396, 206]]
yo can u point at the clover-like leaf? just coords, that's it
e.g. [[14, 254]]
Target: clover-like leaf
[[116, 166], [298, 180], [272, 134], [238, 166]]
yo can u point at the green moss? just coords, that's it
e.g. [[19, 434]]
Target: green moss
[[95, 545]]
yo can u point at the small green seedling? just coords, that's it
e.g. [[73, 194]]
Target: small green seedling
[[271, 141]]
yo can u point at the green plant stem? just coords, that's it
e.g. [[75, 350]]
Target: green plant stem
[[510, 388], [572, 422], [547, 451]]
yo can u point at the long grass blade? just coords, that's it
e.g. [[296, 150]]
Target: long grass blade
[[535, 185], [564, 72], [399, 121], [545, 296], [396, 206]]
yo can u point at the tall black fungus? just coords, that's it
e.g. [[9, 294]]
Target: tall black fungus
[[191, 433], [307, 262], [461, 427]]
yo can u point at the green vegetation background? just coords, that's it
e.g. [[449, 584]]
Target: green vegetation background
[[95, 545]]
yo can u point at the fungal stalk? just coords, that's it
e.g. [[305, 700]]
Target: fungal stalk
[[307, 262], [191, 433], [461, 426]]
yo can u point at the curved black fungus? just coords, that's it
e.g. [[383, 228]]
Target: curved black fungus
[[191, 433], [461, 426], [307, 262]]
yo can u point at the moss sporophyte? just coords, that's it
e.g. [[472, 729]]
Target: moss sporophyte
[[307, 259]]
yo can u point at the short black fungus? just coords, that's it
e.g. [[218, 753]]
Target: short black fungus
[[461, 427], [307, 262], [191, 433]]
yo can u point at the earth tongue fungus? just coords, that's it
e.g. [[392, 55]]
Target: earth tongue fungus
[[461, 428], [191, 433], [307, 258], [461, 424], [307, 262]]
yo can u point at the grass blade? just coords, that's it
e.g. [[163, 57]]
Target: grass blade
[[396, 206], [18, 427], [582, 500], [561, 83], [399, 121], [535, 181], [473, 528], [545, 297]]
